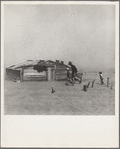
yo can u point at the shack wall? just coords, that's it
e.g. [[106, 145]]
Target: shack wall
[[14, 74], [60, 73], [57, 72], [30, 74]]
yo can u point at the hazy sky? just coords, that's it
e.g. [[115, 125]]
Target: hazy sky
[[83, 34]]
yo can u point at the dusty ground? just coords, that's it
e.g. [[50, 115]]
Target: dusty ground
[[35, 98]]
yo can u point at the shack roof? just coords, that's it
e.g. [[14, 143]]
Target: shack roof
[[31, 63]]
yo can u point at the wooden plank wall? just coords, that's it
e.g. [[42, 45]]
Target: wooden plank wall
[[13, 74], [60, 73], [33, 75]]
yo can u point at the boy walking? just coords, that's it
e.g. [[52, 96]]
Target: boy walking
[[68, 77], [101, 77], [74, 72]]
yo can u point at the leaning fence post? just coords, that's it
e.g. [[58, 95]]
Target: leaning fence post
[[88, 84], [107, 82], [81, 77], [92, 84], [111, 85]]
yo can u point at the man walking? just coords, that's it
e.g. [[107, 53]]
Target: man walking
[[74, 72]]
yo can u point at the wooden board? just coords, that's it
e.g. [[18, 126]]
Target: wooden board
[[61, 77], [60, 66], [12, 72], [34, 78], [32, 72], [33, 75]]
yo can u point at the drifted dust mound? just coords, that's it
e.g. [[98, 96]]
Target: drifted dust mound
[[35, 98]]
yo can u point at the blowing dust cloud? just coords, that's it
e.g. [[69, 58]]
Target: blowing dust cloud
[[83, 34]]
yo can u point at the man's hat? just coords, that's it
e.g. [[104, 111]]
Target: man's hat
[[69, 63]]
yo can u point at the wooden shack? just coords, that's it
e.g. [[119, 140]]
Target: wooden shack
[[39, 70]]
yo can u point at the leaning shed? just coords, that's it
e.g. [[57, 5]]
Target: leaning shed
[[39, 70]]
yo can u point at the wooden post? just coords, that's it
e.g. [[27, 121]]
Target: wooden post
[[46, 75], [53, 74], [55, 77], [53, 89], [49, 74], [88, 84], [107, 82], [85, 88], [92, 84], [81, 76], [111, 85], [21, 75]]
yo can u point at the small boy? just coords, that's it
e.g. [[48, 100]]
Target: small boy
[[101, 77], [74, 72], [68, 77]]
